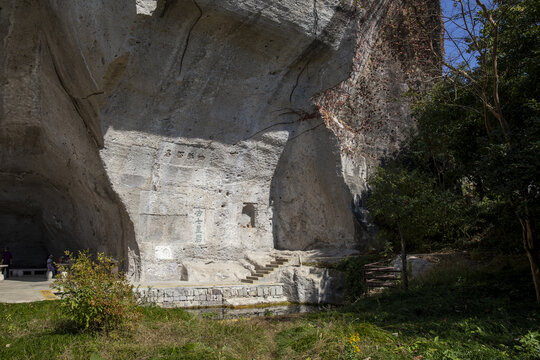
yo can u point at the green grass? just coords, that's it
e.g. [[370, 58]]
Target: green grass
[[462, 311]]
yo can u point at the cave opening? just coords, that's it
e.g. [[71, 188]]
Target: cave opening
[[248, 211], [27, 242], [29, 238]]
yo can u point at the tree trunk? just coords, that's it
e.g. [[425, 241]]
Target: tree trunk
[[404, 275], [531, 243], [535, 270]]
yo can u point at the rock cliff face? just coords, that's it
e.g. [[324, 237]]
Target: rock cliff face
[[181, 135], [54, 191]]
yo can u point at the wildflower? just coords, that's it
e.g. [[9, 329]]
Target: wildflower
[[353, 340]]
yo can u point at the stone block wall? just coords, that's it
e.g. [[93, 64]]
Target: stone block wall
[[206, 296]]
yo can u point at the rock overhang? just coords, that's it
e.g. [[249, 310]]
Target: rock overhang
[[325, 20], [204, 106]]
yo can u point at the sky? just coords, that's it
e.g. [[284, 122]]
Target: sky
[[453, 29]]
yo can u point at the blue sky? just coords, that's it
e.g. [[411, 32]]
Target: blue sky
[[453, 23]]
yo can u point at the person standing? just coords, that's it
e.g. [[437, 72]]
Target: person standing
[[6, 260], [50, 266]]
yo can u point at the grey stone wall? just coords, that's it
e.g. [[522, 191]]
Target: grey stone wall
[[206, 296]]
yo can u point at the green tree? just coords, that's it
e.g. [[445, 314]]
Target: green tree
[[513, 168], [406, 207], [478, 134], [479, 129]]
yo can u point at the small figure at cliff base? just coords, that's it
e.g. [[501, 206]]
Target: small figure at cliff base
[[7, 258]]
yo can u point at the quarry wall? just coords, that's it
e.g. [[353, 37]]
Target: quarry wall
[[184, 135]]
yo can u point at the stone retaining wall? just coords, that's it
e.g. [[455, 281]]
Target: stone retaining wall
[[204, 296]]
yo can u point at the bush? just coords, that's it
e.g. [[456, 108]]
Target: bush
[[530, 345], [353, 267], [95, 296]]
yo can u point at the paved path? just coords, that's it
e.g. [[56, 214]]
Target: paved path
[[24, 289]]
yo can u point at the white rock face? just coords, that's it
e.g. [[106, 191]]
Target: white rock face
[[146, 7], [183, 135], [203, 138]]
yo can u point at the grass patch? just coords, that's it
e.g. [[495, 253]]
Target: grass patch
[[462, 311]]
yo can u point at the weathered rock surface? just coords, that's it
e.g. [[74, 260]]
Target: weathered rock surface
[[417, 264], [54, 192], [181, 135], [311, 285]]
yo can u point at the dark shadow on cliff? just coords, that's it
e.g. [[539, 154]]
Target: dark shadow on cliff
[[55, 194], [310, 200]]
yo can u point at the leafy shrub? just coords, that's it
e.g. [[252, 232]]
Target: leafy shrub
[[95, 296], [529, 346]]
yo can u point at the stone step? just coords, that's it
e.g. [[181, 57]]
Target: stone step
[[261, 273], [263, 270], [376, 283], [381, 277], [383, 269], [374, 275]]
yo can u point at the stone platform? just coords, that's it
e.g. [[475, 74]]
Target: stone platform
[[194, 296]]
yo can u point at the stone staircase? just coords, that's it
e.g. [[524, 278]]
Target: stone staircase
[[379, 275], [260, 272]]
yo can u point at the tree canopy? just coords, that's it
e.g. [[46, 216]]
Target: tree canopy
[[470, 171]]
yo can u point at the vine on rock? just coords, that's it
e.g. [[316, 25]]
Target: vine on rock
[[368, 112]]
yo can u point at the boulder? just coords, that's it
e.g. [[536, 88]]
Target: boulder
[[417, 264]]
